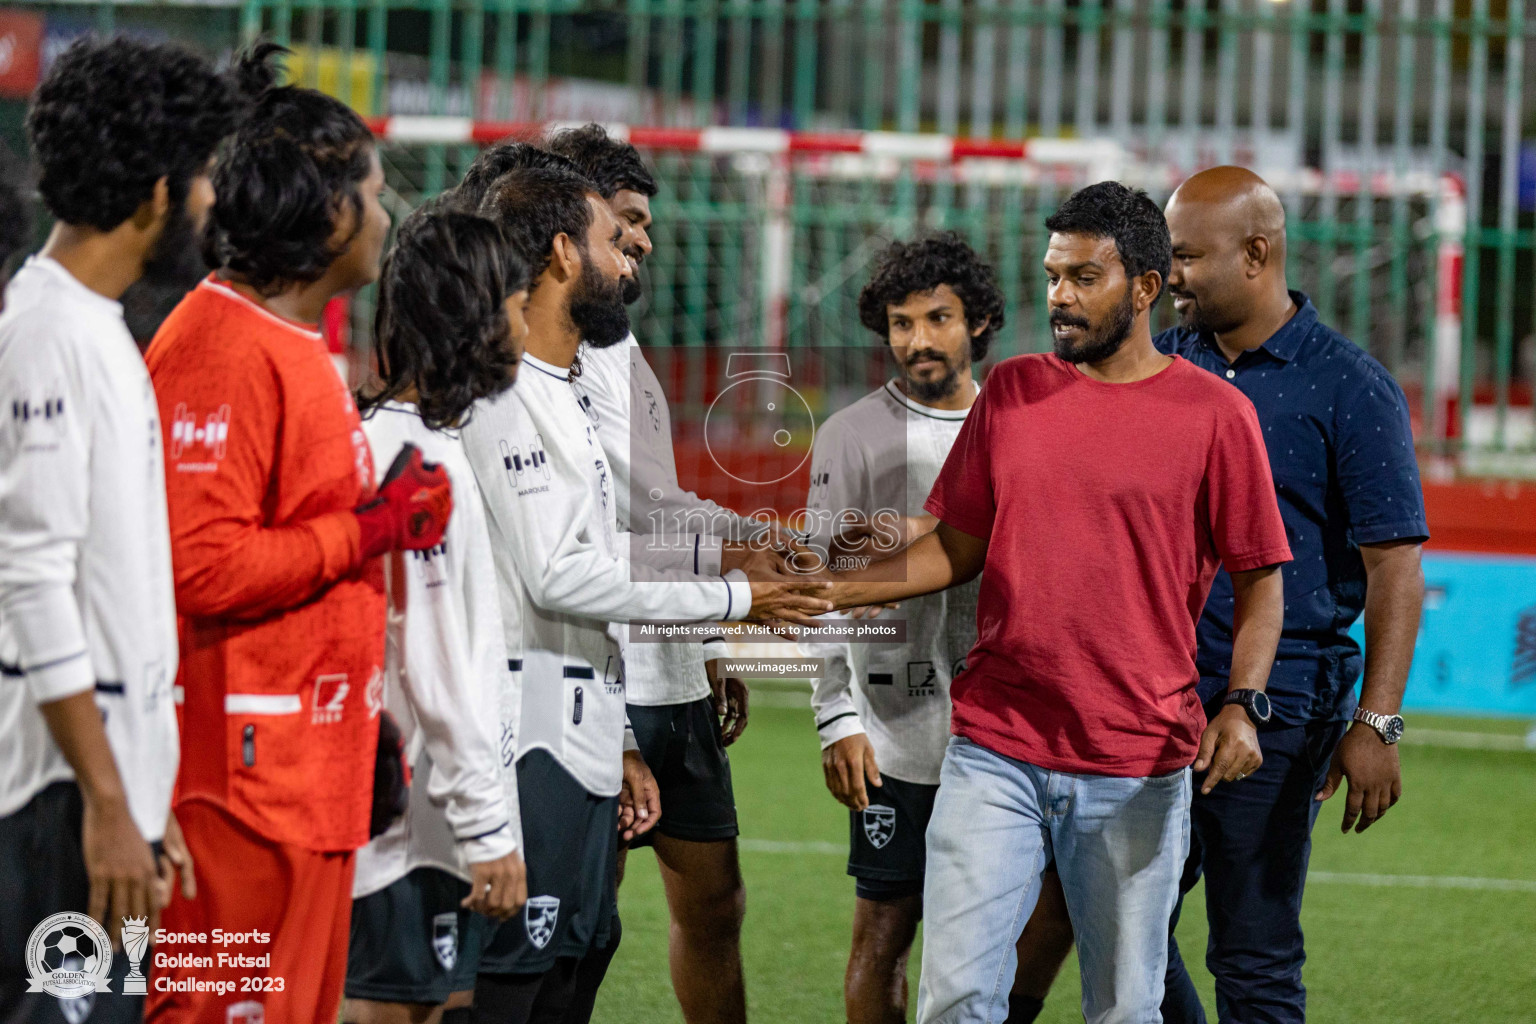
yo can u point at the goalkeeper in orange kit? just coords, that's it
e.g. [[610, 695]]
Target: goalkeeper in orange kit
[[276, 533]]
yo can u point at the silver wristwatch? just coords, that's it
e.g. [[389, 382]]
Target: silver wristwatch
[[1388, 727]]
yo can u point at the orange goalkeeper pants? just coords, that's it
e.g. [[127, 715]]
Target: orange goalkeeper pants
[[265, 939]]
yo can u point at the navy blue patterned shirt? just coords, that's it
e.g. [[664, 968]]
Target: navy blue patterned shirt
[[1341, 450]]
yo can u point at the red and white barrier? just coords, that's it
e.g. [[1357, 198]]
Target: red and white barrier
[[1098, 158], [768, 141]]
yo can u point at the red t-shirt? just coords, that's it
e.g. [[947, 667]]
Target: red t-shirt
[[1107, 508]]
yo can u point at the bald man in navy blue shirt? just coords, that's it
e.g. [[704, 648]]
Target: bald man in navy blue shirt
[[1341, 451]]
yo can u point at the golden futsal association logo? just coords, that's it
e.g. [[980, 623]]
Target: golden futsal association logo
[[68, 956]]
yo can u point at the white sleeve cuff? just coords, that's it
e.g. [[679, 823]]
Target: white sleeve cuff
[[51, 655], [59, 679], [708, 552], [716, 648], [630, 743], [494, 846], [840, 727], [738, 596]]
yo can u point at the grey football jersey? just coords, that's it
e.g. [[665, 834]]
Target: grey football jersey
[[884, 452]]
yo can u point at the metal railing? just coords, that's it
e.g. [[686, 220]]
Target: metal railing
[[1416, 90]]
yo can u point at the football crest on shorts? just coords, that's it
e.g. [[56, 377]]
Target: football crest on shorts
[[879, 824], [540, 916], [445, 939], [78, 1010]]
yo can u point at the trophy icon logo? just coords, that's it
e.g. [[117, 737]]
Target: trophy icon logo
[[135, 942]]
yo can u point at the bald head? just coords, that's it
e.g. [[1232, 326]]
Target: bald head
[[1228, 229], [1238, 201]]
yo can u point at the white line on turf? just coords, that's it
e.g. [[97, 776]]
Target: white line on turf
[[1326, 877]]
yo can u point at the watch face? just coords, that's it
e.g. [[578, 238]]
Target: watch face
[[1261, 705], [1392, 731]]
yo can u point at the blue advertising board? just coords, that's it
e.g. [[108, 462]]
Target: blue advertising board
[[1477, 643]]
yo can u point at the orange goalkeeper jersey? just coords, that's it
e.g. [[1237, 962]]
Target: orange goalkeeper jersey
[[282, 632]]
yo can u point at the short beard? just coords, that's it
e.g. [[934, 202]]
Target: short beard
[[597, 309], [929, 391], [1103, 340], [177, 258], [632, 289]]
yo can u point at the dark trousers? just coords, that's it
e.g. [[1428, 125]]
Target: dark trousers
[[1251, 840]]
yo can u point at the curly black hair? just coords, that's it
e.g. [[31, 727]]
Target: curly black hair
[[1111, 210], [906, 268], [533, 205], [441, 325], [284, 178], [116, 115], [498, 160], [612, 164]]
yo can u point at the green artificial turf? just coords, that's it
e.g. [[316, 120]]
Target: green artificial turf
[[1376, 953]]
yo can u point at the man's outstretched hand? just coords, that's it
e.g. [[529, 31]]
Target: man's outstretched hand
[[797, 601]]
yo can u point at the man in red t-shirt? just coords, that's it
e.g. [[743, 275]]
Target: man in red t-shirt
[[1096, 489]]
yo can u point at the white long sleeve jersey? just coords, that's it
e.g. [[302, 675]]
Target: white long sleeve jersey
[[87, 599], [563, 576], [629, 408], [884, 452], [447, 680]]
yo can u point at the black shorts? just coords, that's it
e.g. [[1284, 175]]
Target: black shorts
[[412, 942], [42, 873], [571, 848], [887, 854], [681, 745]]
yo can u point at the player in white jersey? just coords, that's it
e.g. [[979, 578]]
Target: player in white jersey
[[882, 709], [566, 567], [449, 331], [122, 133], [684, 710]]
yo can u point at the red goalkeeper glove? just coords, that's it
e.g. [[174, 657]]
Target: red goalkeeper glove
[[411, 510]]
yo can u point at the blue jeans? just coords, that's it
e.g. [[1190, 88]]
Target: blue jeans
[[1119, 845], [1252, 840]]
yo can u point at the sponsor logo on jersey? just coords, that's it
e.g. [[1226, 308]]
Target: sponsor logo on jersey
[[922, 679], [373, 695], [39, 418], [653, 410], [956, 669], [429, 565], [362, 457], [602, 482], [879, 825], [540, 916], [204, 438], [445, 939], [526, 465], [508, 745], [247, 1012], [330, 698]]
